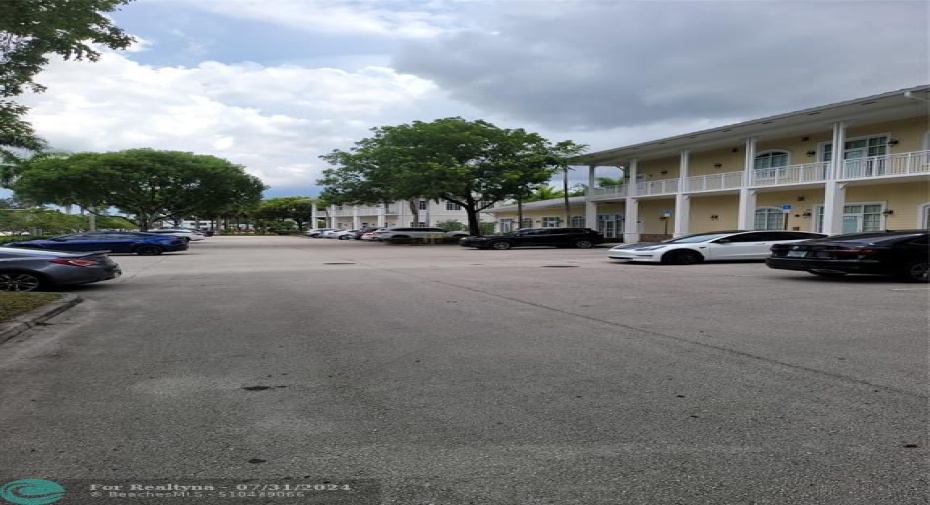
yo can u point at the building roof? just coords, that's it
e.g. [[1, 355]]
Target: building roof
[[893, 105], [542, 204]]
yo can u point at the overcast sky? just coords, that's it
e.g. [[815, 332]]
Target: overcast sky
[[272, 84]]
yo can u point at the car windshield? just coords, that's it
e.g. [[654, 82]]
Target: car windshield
[[870, 238], [691, 239]]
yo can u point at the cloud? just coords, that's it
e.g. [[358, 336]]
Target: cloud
[[601, 65], [395, 19], [275, 120]]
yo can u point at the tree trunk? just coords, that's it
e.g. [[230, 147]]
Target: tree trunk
[[415, 210], [519, 211]]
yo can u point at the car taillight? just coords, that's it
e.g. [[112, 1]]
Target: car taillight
[[74, 263]]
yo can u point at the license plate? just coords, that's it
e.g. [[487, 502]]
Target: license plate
[[796, 254]]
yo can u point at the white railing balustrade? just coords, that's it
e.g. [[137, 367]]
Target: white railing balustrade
[[608, 192], [712, 182], [793, 174], [914, 162], [662, 187]]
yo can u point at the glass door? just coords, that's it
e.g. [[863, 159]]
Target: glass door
[[852, 223]]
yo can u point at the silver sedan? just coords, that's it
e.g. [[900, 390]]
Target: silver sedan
[[39, 270]]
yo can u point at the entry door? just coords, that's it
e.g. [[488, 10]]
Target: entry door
[[854, 163]]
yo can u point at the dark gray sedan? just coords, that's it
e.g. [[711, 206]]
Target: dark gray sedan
[[37, 270]]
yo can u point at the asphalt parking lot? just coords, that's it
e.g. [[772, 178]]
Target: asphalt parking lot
[[452, 376]]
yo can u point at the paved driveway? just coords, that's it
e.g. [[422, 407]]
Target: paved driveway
[[456, 376]]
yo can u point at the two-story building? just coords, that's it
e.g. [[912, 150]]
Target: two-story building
[[428, 214], [780, 172]]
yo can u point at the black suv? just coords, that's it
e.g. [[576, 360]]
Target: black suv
[[582, 238]]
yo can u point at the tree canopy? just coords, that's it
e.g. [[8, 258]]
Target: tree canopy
[[472, 163], [145, 184], [30, 31], [298, 209]]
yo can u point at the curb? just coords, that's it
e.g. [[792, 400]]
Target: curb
[[35, 317]]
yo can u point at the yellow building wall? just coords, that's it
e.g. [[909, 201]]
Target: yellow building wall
[[650, 212], [905, 200], [652, 169], [725, 207], [702, 163], [802, 201], [909, 133]]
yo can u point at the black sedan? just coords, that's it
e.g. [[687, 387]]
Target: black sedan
[[33, 270], [582, 238], [143, 244], [904, 254]]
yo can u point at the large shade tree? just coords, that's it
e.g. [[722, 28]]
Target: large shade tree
[[30, 32], [472, 163], [298, 209], [144, 184]]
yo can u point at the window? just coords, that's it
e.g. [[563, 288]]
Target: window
[[453, 206], [925, 216], [506, 225], [860, 155], [769, 218], [551, 222], [577, 222], [771, 164], [527, 223], [423, 204]]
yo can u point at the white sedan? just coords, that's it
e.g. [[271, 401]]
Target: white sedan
[[187, 235], [711, 246]]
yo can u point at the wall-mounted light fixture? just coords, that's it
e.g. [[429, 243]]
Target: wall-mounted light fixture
[[893, 142], [888, 212], [714, 217], [806, 214], [734, 150], [811, 153], [718, 165], [805, 139], [664, 172]]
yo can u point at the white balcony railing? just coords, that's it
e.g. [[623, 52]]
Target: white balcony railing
[[361, 211], [915, 162], [662, 187], [713, 182], [608, 192], [793, 174]]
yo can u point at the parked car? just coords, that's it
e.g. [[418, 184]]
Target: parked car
[[143, 244], [582, 238], [185, 234], [315, 232], [710, 246], [342, 234], [35, 270], [418, 233], [373, 234], [905, 254]]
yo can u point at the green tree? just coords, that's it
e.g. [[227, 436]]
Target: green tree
[[298, 209], [144, 184], [545, 192], [451, 225], [30, 31], [472, 163]]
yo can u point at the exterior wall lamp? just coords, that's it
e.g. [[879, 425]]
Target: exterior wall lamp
[[714, 217], [806, 214], [811, 153], [718, 165], [888, 212], [893, 142]]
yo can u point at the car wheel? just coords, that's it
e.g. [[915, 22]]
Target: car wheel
[[583, 244], [148, 250], [344, 237], [682, 258], [500, 245], [917, 271], [187, 240], [21, 282], [824, 273]]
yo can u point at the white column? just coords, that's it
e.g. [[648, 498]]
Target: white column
[[382, 212], [834, 198], [314, 219], [356, 220], [682, 201], [631, 212], [590, 207], [746, 218]]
